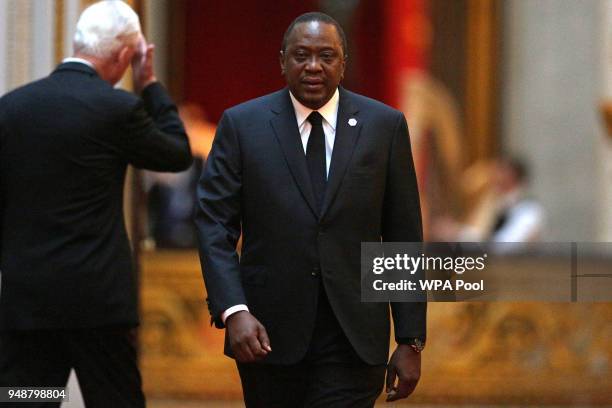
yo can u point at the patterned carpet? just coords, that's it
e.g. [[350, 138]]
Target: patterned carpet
[[239, 404]]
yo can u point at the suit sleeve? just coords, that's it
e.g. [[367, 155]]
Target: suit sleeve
[[2, 193], [402, 223], [156, 139], [218, 219]]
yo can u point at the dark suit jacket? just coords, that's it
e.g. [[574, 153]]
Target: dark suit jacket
[[256, 181], [65, 142]]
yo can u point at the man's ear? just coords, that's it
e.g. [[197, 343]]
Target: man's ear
[[125, 54], [281, 59], [344, 58]]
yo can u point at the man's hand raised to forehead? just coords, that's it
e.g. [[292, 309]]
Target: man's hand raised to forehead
[[142, 65]]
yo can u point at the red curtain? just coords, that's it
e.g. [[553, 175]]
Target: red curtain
[[231, 50], [408, 37]]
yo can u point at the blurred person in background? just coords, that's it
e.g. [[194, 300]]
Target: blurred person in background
[[171, 196], [68, 293], [504, 211]]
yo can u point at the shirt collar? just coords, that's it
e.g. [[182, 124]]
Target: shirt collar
[[80, 61], [329, 111]]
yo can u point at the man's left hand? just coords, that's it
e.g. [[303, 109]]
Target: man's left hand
[[405, 367]]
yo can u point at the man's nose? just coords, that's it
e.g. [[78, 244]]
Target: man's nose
[[313, 64]]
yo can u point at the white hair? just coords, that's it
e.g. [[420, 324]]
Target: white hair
[[104, 27]]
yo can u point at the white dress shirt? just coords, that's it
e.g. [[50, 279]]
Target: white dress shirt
[[329, 111], [524, 219], [79, 60]]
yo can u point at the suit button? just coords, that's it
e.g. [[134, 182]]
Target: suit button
[[315, 271]]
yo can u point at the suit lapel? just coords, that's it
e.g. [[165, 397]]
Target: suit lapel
[[288, 135], [344, 143]]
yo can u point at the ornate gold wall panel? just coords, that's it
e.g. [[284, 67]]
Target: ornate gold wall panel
[[181, 354], [519, 353]]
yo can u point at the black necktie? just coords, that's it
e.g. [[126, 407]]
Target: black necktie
[[315, 157]]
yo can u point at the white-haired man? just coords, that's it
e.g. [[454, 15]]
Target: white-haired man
[[67, 294]]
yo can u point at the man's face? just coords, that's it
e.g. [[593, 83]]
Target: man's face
[[313, 63], [505, 178]]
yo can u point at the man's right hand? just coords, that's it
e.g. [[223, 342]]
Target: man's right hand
[[248, 338], [142, 66]]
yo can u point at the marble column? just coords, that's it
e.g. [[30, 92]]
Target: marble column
[[550, 90], [605, 152]]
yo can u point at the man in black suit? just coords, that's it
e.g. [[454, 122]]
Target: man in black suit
[[306, 174], [68, 293]]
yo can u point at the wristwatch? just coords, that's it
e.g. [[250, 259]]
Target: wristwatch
[[415, 343]]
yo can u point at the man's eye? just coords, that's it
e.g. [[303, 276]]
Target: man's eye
[[327, 57]]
